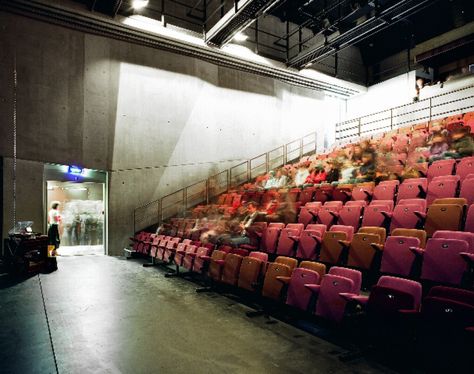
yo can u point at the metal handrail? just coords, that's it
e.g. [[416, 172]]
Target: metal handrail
[[419, 112], [217, 184]]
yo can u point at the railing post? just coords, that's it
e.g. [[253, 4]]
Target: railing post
[[391, 119], [285, 154], [207, 191], [431, 108], [185, 201], [134, 221], [301, 146], [228, 173], [358, 127], [249, 170], [161, 209], [267, 162], [315, 142]]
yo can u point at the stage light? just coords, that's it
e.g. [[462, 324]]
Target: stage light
[[239, 37], [139, 4]]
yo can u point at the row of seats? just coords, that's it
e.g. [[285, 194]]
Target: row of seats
[[332, 295]]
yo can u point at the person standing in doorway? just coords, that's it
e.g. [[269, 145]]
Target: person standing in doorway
[[54, 218]]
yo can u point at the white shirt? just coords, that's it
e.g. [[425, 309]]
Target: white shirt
[[54, 217]]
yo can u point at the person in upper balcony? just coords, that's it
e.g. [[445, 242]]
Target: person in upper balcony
[[301, 174], [462, 142], [271, 181], [281, 178]]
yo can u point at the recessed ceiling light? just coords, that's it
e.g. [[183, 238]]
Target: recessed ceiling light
[[239, 37], [139, 4]]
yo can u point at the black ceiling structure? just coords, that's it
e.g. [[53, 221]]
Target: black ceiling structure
[[348, 39]]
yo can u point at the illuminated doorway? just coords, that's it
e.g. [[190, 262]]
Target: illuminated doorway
[[82, 197]]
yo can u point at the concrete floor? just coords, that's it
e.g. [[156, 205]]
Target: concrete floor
[[110, 315]]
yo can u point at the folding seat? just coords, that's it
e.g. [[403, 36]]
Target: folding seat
[[293, 194], [283, 266], [467, 189], [408, 213], [350, 216], [444, 216], [361, 252], [288, 239], [299, 296], [200, 261], [444, 260], [358, 203], [385, 191], [221, 199], [181, 249], [231, 269], [216, 262], [306, 195], [308, 213], [330, 305], [342, 192], [169, 250], [442, 187], [378, 213], [440, 168], [157, 251], [310, 240], [412, 233], [328, 213], [181, 254], [251, 269], [465, 167], [362, 192], [154, 245], [331, 248], [469, 226], [270, 237], [387, 299], [323, 193], [412, 188], [444, 330], [397, 258]]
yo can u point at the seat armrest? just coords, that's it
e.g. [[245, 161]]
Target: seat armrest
[[362, 300], [377, 247], [205, 258], [417, 251], [179, 252], [368, 194], [314, 288], [316, 238], [314, 214], [334, 214], [294, 238], [386, 214], [420, 215], [344, 243], [283, 279], [468, 257], [347, 193], [219, 262]]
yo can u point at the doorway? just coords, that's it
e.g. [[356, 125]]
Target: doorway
[[82, 197]]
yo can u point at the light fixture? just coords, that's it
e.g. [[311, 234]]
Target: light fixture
[[139, 4], [239, 37]]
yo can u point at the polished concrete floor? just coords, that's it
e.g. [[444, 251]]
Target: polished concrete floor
[[111, 315]]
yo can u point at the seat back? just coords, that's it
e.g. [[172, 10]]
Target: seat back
[[443, 217], [373, 214], [286, 245], [440, 168], [215, 270], [288, 261], [412, 233], [350, 216], [251, 268], [397, 258], [411, 188], [385, 191], [469, 226], [354, 275], [442, 188], [308, 212], [442, 262], [465, 167], [298, 295], [306, 195], [230, 273], [323, 193], [460, 235], [450, 293], [392, 294], [325, 215], [270, 239], [315, 266], [188, 259], [330, 305], [361, 253], [271, 285], [307, 245], [331, 249], [404, 215], [199, 263], [467, 190], [362, 193]]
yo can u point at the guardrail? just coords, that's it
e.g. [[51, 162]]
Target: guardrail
[[455, 101], [204, 191]]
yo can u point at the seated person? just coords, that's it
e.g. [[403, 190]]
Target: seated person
[[366, 171], [462, 143], [239, 236], [438, 146], [271, 181], [281, 178], [301, 174]]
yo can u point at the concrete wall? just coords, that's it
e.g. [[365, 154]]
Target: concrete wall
[[156, 121]]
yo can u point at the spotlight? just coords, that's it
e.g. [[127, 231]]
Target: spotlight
[[139, 4], [240, 37]]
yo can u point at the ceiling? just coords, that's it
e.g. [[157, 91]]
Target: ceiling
[[350, 39]]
